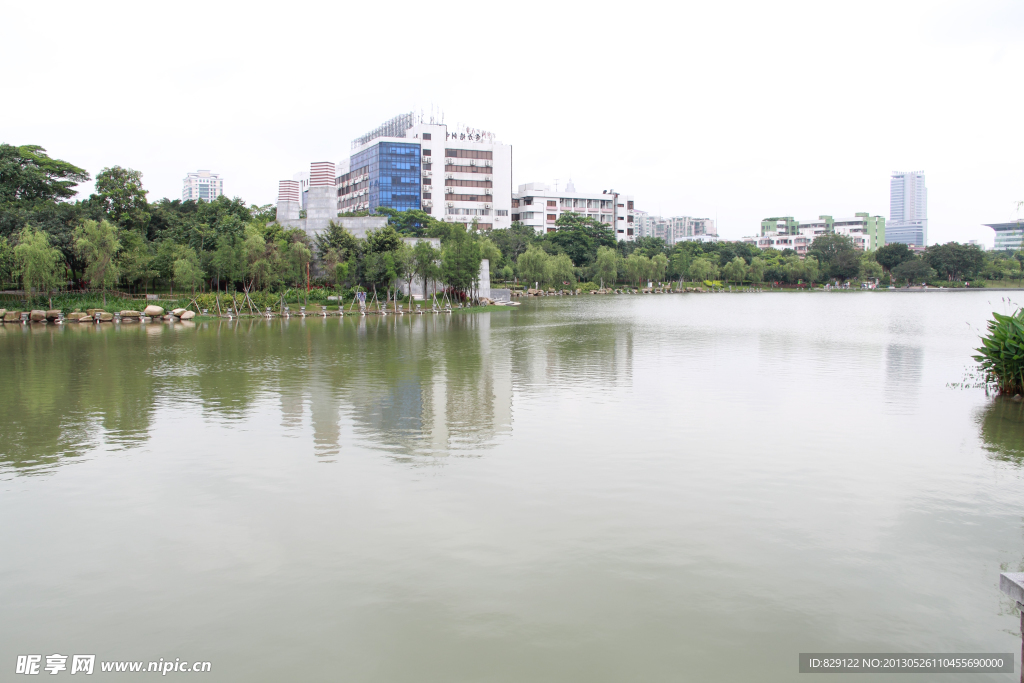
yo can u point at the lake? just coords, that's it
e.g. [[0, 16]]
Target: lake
[[631, 488]]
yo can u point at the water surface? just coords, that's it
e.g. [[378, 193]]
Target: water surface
[[654, 488]]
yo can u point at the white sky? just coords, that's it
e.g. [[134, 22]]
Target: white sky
[[739, 110]]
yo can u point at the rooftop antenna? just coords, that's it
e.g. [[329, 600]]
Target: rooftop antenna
[[556, 185]]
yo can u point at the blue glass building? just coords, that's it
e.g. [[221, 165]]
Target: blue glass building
[[394, 174]]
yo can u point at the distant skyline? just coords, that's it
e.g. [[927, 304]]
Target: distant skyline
[[735, 111]]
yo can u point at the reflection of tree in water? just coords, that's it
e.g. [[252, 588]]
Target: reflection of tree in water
[[411, 385], [64, 386], [1002, 429]]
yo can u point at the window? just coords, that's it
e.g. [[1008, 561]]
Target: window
[[427, 181], [629, 231], [467, 197], [426, 136], [551, 203], [528, 201], [501, 212], [629, 219], [515, 216], [551, 217], [515, 203], [620, 206], [629, 205], [426, 152], [427, 165], [427, 195], [620, 218]]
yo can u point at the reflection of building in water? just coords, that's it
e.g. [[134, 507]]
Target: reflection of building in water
[[902, 373]]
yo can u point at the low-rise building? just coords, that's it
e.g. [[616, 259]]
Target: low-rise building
[[537, 205], [1008, 235], [784, 232]]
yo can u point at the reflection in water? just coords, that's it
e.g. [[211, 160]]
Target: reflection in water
[[410, 385], [1002, 429], [903, 365]]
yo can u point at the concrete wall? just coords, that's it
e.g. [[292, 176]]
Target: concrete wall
[[321, 208], [287, 210], [483, 283]]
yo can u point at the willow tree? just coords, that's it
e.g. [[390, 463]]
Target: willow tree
[[98, 243], [36, 261]]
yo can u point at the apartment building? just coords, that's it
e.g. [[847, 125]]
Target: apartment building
[[537, 205], [202, 185], [675, 228], [866, 231]]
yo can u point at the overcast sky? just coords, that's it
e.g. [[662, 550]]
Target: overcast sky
[[734, 110]]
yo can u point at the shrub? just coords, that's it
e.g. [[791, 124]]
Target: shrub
[[1001, 355]]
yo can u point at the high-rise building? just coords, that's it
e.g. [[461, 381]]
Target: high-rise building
[[202, 185], [908, 209], [1009, 236], [537, 205]]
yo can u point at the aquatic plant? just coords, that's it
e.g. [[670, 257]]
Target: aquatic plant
[[1001, 355]]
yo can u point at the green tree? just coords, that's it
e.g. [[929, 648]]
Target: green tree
[[870, 268], [513, 240], [425, 263], [580, 236], [37, 262], [955, 261], [98, 243], [134, 260], [460, 259], [8, 262], [659, 266], [702, 269], [914, 270], [561, 271], [187, 270], [120, 190], [757, 267], [28, 174], [225, 261], [533, 267], [606, 265], [837, 255], [892, 255], [637, 267], [735, 270]]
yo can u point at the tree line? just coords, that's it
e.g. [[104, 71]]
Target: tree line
[[117, 238]]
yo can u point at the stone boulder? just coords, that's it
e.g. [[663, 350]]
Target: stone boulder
[[52, 314], [187, 315], [3, 312], [37, 316], [178, 311], [93, 311], [154, 311], [106, 317], [130, 314], [12, 316]]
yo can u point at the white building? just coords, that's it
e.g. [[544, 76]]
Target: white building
[[785, 233], [537, 205], [202, 185], [908, 209], [457, 174], [675, 228]]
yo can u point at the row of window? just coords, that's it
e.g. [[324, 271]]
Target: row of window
[[468, 183], [450, 168], [468, 197], [452, 211], [468, 154]]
